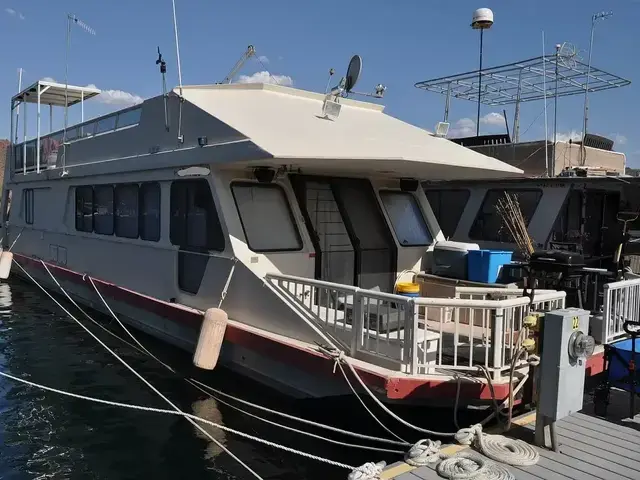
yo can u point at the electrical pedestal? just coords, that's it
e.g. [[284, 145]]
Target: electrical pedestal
[[565, 349]]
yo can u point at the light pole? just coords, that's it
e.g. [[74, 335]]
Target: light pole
[[594, 19], [482, 20]]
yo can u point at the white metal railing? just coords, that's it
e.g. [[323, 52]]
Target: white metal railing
[[418, 335], [621, 303]]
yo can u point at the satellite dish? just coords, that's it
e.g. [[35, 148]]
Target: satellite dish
[[353, 72]]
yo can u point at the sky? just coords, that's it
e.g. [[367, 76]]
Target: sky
[[401, 42]]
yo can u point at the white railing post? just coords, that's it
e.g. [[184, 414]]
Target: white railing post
[[357, 323], [414, 328], [497, 341], [606, 313]]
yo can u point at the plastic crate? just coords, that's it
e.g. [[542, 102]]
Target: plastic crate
[[484, 265]]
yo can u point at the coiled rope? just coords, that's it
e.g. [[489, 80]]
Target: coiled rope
[[498, 447], [424, 452], [471, 466]]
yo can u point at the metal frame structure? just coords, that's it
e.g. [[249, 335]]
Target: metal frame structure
[[45, 93], [524, 81]]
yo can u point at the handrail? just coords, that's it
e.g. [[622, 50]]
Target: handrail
[[416, 335]]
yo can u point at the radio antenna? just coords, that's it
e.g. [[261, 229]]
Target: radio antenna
[[163, 71], [71, 19], [175, 30]]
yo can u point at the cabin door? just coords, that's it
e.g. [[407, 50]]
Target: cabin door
[[353, 243], [602, 231]]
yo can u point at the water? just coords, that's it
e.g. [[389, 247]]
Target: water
[[45, 435]]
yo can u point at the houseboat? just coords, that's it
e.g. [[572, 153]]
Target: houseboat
[[299, 224]]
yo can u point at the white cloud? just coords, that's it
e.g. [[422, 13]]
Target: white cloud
[[619, 139], [573, 135], [266, 77], [117, 97], [465, 127], [14, 13], [493, 118], [263, 59], [49, 79]]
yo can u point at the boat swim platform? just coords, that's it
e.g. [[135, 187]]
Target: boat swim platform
[[590, 448]]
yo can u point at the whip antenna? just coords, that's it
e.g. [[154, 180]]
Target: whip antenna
[[163, 71]]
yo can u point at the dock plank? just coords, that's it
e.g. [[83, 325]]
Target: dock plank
[[612, 430], [590, 448]]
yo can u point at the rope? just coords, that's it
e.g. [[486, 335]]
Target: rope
[[113, 315], [300, 419], [469, 465], [195, 383], [368, 471], [225, 289], [192, 418], [499, 448], [424, 452], [132, 370]]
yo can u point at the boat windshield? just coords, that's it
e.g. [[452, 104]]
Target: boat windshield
[[406, 218]]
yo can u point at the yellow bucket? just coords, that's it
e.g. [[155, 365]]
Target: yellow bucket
[[407, 288]]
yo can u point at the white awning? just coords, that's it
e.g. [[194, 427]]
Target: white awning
[[52, 93], [288, 124]]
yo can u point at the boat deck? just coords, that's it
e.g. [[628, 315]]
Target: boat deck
[[590, 448]]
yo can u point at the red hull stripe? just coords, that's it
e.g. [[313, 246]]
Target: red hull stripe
[[396, 388]]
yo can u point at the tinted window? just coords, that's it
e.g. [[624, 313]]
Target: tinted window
[[194, 220], [266, 217], [126, 211], [447, 206], [84, 209], [488, 223], [106, 124], [150, 211], [103, 209], [128, 118], [28, 206], [406, 218]]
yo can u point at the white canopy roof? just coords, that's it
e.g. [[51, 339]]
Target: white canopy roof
[[288, 124], [52, 93]]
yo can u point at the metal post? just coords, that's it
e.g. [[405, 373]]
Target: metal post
[[552, 173], [516, 116], [18, 107], [66, 95], [12, 157], [447, 103], [82, 106], [24, 140], [50, 118], [594, 18], [38, 134], [479, 83]]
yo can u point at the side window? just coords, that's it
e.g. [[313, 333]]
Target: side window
[[406, 218], [488, 223], [126, 211], [103, 209], [266, 217], [194, 220], [28, 206], [84, 209], [447, 206], [195, 229], [149, 211]]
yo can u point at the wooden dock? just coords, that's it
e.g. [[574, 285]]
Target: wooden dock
[[590, 448]]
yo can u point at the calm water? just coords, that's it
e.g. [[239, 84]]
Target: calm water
[[45, 435]]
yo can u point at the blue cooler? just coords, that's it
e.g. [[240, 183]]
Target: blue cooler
[[619, 363], [484, 265]]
